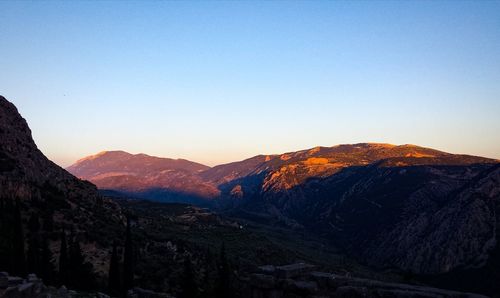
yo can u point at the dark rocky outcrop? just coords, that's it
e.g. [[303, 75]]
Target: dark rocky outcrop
[[45, 189], [143, 293], [33, 287], [300, 280]]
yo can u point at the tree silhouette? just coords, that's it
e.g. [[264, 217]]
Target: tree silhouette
[[81, 275], [128, 260], [18, 255], [5, 235], [223, 286], [33, 254], [47, 271], [48, 222], [34, 223], [114, 271], [63, 260], [189, 287]]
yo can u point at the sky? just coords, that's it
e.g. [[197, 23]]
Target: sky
[[215, 82]]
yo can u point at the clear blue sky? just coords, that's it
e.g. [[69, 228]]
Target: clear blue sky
[[221, 81]]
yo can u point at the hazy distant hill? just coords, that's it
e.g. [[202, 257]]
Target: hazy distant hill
[[141, 175]]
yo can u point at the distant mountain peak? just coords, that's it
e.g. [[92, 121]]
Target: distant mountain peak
[[102, 154]]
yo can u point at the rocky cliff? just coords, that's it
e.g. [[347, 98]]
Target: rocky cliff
[[406, 207], [45, 189]]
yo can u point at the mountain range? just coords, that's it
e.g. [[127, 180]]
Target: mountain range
[[166, 179], [406, 209], [43, 206]]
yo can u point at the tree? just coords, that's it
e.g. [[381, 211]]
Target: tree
[[128, 260], [18, 255], [63, 260], [47, 270], [189, 287], [48, 221], [81, 273], [223, 286], [5, 235], [33, 254], [34, 223], [114, 271]]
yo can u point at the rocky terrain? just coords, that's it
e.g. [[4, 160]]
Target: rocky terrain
[[45, 189], [165, 235], [392, 212], [426, 214], [406, 207], [302, 280]]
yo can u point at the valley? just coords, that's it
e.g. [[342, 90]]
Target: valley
[[371, 214]]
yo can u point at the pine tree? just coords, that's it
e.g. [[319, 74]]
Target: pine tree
[[34, 223], [5, 236], [114, 271], [48, 222], [81, 273], [128, 262], [47, 270], [33, 254], [189, 287], [75, 262], [18, 255], [63, 260], [223, 285]]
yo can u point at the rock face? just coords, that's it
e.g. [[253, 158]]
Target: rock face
[[24, 170], [406, 207], [31, 287], [300, 280], [44, 188]]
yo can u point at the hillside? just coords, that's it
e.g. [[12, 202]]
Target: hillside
[[49, 197], [398, 209], [144, 176], [387, 205], [52, 202]]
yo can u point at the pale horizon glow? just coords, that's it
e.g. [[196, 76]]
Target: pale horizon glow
[[217, 82]]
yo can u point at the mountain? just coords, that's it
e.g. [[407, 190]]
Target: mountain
[[49, 193], [324, 161], [405, 208], [401, 209], [145, 176], [416, 209], [389, 206], [52, 202]]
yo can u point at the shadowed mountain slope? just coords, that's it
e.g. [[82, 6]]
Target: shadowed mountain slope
[[51, 193], [406, 207]]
